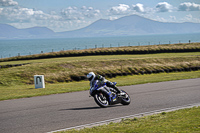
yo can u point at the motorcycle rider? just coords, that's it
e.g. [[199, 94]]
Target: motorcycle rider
[[92, 78]]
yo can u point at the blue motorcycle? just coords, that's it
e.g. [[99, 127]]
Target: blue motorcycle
[[105, 96]]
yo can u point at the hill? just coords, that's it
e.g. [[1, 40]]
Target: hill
[[132, 25], [10, 32], [125, 26]]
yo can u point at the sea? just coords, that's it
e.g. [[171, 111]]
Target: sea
[[17, 47]]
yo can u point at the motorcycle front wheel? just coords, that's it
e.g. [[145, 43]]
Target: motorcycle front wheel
[[101, 100], [127, 100]]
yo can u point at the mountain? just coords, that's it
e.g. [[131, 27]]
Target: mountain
[[132, 25], [7, 31], [125, 26], [39, 31], [10, 32]]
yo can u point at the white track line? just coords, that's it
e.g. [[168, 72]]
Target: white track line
[[130, 116]]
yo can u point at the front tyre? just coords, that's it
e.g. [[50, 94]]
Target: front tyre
[[101, 100], [126, 100]]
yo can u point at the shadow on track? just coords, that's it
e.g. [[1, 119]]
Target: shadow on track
[[88, 108]]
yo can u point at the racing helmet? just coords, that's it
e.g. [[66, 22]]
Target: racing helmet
[[91, 76]]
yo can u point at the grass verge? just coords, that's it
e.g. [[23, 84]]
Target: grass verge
[[24, 91], [148, 49], [184, 120], [69, 69]]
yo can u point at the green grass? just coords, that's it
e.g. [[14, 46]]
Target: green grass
[[17, 82], [62, 69], [181, 121], [102, 58], [23, 91]]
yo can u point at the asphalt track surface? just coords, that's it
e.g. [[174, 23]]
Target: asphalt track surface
[[60, 111]]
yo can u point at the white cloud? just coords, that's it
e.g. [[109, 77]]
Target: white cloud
[[164, 7], [191, 18], [1, 9], [188, 18], [119, 10], [160, 19], [71, 17], [91, 13], [8, 3], [173, 18], [138, 7], [73, 13], [113, 18], [188, 6], [24, 14]]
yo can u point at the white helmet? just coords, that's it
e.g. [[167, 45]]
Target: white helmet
[[91, 76]]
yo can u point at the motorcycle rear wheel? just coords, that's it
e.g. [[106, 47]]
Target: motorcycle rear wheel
[[101, 100]]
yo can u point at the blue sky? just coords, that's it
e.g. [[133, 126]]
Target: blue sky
[[65, 15]]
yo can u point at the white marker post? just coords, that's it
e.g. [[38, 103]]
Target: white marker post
[[39, 81]]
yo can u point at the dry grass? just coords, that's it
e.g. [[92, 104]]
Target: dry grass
[[69, 69]]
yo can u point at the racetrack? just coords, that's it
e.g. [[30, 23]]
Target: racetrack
[[54, 112]]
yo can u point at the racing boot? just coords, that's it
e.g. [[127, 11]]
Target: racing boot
[[119, 92]]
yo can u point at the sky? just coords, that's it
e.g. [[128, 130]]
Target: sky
[[66, 15]]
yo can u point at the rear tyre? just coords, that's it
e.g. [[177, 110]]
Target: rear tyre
[[127, 100], [101, 100]]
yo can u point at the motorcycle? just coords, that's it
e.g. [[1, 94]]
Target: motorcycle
[[105, 96]]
